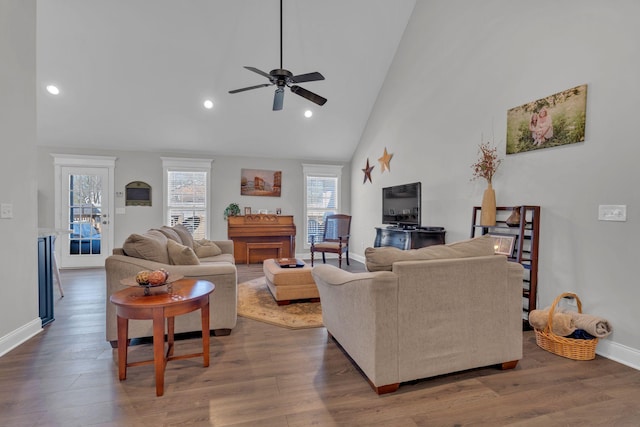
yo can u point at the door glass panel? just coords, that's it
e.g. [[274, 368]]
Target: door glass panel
[[85, 214]]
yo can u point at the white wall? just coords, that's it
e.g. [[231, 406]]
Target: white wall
[[18, 254], [225, 189], [460, 66]]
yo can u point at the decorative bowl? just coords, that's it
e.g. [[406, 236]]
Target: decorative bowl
[[131, 281]]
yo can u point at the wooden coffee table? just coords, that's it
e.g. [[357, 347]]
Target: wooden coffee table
[[185, 296]]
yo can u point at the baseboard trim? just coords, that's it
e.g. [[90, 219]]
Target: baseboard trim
[[619, 353], [20, 335], [358, 258]]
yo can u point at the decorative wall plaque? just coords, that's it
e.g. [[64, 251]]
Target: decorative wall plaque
[[137, 193]]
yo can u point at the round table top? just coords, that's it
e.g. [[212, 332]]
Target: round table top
[[181, 291]]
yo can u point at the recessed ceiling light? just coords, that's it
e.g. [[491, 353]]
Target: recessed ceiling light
[[53, 90], [308, 113], [208, 104]]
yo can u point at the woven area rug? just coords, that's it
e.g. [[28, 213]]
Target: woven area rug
[[256, 302]]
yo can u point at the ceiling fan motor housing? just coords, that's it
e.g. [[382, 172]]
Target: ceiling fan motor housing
[[281, 77]]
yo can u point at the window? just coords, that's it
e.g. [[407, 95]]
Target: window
[[186, 201], [322, 198]]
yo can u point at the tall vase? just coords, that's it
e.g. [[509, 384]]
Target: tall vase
[[488, 213]]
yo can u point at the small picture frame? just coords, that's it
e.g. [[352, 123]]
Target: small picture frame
[[278, 211], [504, 244], [247, 210]]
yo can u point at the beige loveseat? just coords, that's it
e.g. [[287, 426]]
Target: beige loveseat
[[173, 249], [439, 309]]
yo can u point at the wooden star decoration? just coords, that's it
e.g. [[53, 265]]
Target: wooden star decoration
[[384, 161], [367, 172]]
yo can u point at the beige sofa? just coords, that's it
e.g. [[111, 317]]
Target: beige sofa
[[154, 250], [440, 309]]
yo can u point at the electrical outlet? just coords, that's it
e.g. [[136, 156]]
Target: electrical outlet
[[612, 212], [6, 210]]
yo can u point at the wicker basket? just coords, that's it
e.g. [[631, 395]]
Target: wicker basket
[[571, 348]]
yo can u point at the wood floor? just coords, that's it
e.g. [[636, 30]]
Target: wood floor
[[263, 375]]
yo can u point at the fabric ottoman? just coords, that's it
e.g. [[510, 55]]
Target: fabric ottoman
[[287, 284]]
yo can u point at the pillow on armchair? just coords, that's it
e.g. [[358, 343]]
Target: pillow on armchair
[[382, 259]]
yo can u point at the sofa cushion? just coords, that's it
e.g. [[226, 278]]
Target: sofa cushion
[[170, 233], [222, 258], [181, 254], [151, 246], [205, 248], [382, 259], [185, 235]]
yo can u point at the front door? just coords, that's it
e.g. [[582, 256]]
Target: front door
[[83, 215]]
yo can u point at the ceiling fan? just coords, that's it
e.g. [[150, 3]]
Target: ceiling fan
[[284, 78]]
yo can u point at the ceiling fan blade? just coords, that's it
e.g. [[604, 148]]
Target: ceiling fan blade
[[308, 95], [309, 77], [278, 99], [255, 70], [250, 87]]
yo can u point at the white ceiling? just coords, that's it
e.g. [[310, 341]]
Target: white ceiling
[[133, 74]]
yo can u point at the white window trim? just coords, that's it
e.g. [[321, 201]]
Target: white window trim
[[333, 171], [185, 164]]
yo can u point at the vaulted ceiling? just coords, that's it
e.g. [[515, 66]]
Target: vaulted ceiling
[[133, 74]]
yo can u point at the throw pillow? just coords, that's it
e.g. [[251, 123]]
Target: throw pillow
[[185, 235], [382, 259], [181, 254], [205, 248], [170, 233], [151, 246]]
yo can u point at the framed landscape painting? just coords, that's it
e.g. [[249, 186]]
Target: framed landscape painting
[[558, 119], [257, 182]]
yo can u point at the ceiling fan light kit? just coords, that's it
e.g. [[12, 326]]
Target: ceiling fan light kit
[[284, 78]]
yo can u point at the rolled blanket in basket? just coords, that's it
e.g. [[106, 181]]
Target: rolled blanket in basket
[[562, 323], [594, 325]]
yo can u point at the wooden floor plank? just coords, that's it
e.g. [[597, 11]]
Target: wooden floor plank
[[270, 376]]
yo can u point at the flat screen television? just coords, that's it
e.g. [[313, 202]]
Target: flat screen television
[[401, 205]]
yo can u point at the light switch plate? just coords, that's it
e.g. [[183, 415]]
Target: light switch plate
[[612, 212]]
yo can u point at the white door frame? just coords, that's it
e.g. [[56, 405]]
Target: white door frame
[[80, 161]]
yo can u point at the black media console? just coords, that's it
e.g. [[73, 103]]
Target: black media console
[[409, 238]]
